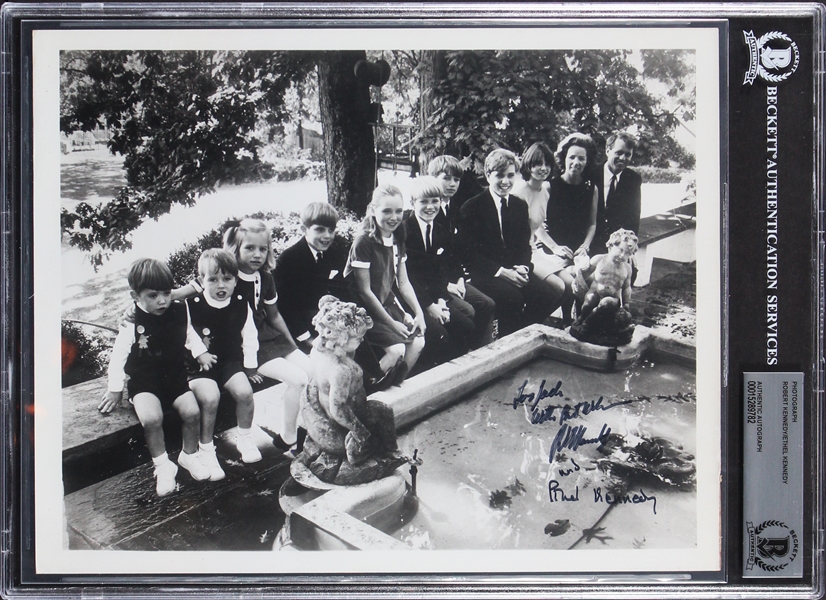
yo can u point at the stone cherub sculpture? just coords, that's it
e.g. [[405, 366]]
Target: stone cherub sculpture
[[603, 287], [349, 439]]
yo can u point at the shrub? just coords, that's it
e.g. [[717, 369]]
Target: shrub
[[184, 262], [660, 175], [286, 230], [83, 356]]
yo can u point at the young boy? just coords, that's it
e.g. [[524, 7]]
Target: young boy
[[450, 175], [458, 185], [225, 324], [308, 270], [431, 266], [152, 351], [494, 236]]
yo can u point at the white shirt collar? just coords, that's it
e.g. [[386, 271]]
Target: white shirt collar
[[217, 303], [248, 276], [387, 241], [608, 174], [314, 250], [423, 227]]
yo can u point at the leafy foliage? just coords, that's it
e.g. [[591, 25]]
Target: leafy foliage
[[83, 356], [286, 230], [489, 99], [183, 121]]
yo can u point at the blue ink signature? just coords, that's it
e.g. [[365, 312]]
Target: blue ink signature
[[557, 494], [535, 399], [572, 438], [566, 472], [567, 412], [630, 498]]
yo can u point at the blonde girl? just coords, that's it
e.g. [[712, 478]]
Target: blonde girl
[[377, 275], [250, 241]]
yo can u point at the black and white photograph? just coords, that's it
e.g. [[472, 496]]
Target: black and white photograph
[[471, 283]]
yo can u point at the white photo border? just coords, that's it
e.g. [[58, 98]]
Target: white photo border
[[51, 555]]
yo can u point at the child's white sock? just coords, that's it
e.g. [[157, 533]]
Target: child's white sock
[[249, 451], [208, 447], [161, 460]]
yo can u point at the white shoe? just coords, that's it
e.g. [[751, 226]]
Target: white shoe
[[193, 464], [210, 462], [165, 476], [249, 451]]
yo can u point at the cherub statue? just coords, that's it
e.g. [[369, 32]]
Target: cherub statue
[[604, 289], [609, 274], [349, 439]]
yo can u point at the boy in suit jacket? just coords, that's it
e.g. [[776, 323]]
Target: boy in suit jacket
[[309, 269], [494, 237], [434, 270], [620, 191]]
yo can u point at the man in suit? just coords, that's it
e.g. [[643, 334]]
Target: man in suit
[[494, 237], [309, 269], [620, 191]]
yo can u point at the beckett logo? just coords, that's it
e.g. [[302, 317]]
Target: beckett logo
[[772, 545], [774, 57]]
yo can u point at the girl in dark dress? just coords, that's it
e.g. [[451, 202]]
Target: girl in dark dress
[[572, 211]]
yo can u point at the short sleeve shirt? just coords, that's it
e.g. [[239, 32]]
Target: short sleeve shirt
[[383, 259]]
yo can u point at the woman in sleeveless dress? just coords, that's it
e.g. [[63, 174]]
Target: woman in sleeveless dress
[[536, 166], [571, 216]]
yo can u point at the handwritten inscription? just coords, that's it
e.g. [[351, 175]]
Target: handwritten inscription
[[557, 494], [558, 412], [571, 438], [566, 472], [626, 498]]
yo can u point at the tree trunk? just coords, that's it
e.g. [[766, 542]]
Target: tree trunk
[[349, 153], [433, 69]]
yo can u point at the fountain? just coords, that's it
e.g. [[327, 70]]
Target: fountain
[[345, 485]]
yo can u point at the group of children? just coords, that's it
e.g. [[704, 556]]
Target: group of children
[[247, 316]]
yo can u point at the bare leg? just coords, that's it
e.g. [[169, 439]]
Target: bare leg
[[568, 296], [150, 414], [187, 407], [239, 388], [293, 371], [208, 395], [392, 355]]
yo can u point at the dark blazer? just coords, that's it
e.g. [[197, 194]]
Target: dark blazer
[[483, 250], [430, 272], [468, 188], [300, 282], [623, 211]]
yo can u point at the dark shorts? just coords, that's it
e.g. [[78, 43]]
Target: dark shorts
[[220, 373], [275, 348], [166, 387]]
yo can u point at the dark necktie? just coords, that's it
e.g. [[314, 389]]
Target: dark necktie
[[612, 187], [318, 256], [504, 210], [427, 239]]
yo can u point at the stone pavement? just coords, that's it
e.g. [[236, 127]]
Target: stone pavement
[[240, 512]]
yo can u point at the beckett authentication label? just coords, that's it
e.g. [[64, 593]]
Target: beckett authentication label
[[773, 474]]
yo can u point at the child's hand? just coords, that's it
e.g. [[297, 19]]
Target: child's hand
[[255, 377], [128, 317], [402, 329], [458, 288], [110, 401], [419, 325], [436, 313], [206, 361], [563, 251]]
